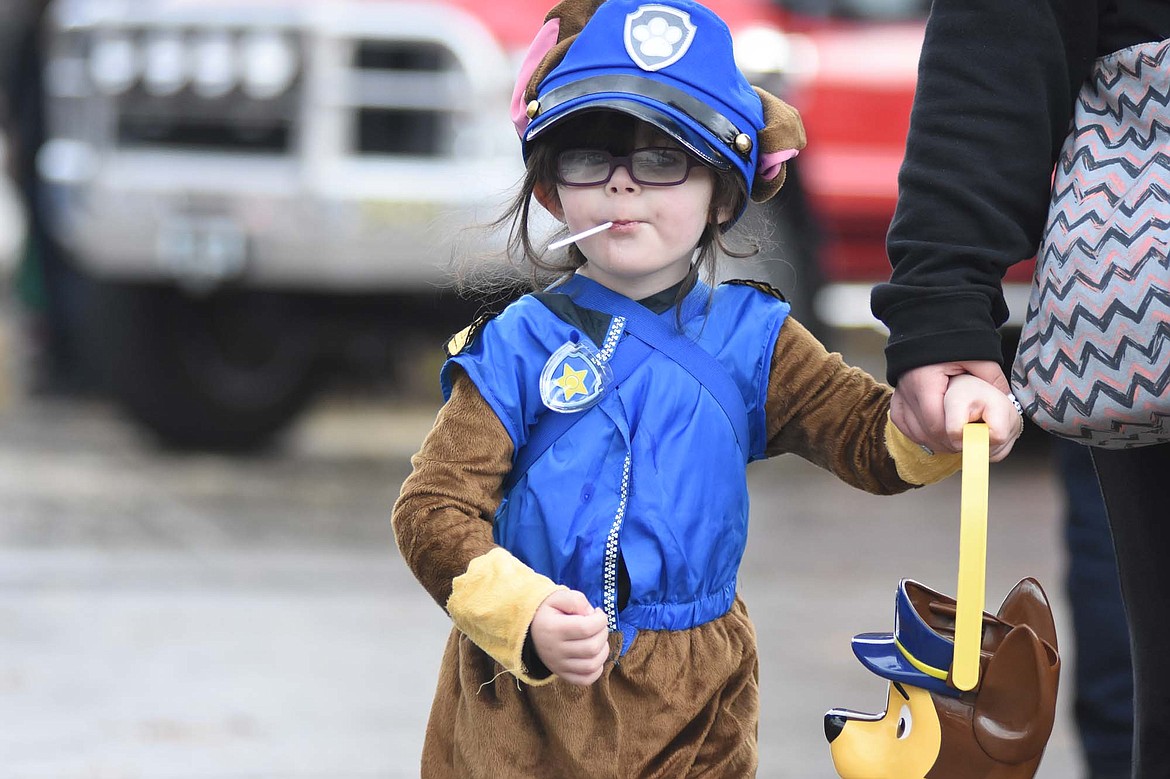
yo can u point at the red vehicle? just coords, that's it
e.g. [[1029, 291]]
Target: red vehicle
[[249, 182], [855, 97]]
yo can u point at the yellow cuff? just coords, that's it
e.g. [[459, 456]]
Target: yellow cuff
[[914, 465], [493, 604]]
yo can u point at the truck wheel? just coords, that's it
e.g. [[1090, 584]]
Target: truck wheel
[[225, 371]]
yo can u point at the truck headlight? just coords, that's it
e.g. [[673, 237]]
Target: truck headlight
[[269, 64], [166, 69], [113, 63], [214, 68]]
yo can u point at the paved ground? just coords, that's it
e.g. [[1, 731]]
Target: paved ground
[[201, 617]]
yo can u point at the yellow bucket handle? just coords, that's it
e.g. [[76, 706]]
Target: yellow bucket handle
[[972, 556]]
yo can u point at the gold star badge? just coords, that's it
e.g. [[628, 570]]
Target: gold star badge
[[571, 382]]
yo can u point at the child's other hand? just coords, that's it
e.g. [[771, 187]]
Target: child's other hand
[[971, 399], [571, 637]]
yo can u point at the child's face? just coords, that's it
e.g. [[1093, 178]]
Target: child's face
[[655, 231]]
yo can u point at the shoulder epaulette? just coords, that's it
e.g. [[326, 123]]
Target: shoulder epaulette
[[762, 286], [458, 342]]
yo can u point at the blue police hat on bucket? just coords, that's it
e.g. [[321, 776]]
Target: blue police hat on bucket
[[668, 63], [918, 652]]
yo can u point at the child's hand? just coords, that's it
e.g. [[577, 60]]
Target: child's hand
[[571, 637], [971, 399]]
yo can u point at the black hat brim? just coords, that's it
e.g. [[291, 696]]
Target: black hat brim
[[691, 139]]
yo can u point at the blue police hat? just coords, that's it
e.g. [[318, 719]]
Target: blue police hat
[[668, 63], [916, 653]]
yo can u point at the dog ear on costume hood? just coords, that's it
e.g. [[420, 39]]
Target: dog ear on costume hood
[[548, 48], [570, 17], [781, 139]]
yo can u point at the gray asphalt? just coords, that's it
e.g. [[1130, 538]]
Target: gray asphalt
[[171, 617]]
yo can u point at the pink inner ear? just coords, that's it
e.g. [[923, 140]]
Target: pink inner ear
[[541, 44], [770, 164]]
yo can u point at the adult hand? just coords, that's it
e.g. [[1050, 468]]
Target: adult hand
[[970, 399], [571, 637], [917, 406]]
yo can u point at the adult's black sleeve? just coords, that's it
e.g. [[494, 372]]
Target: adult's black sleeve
[[996, 86]]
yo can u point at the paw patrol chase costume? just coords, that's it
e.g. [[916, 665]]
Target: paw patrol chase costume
[[600, 444]]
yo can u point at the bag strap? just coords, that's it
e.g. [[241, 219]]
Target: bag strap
[[650, 333], [653, 330]]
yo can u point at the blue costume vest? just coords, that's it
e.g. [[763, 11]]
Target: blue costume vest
[[653, 473]]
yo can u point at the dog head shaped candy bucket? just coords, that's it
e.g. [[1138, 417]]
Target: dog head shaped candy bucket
[[971, 695], [933, 730]]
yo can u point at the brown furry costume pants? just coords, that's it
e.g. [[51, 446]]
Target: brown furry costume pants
[[679, 704]]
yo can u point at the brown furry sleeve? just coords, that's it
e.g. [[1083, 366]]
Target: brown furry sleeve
[[837, 417], [442, 518], [442, 522]]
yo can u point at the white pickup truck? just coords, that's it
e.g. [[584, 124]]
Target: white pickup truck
[[243, 177], [251, 182]]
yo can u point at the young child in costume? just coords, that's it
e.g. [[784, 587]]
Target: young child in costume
[[580, 507]]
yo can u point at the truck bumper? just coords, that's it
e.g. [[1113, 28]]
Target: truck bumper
[[364, 226]]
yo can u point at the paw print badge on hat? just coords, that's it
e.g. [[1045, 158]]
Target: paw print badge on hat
[[657, 36]]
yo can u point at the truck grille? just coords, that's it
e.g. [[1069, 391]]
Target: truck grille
[[405, 97], [184, 120]]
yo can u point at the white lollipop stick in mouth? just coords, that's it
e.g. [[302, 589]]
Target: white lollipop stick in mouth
[[583, 234]]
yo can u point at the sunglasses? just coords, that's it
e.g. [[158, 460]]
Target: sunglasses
[[654, 166]]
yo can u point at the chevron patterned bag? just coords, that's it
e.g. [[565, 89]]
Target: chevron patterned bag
[[1094, 357]]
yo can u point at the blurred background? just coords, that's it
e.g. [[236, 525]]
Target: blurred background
[[229, 233]]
